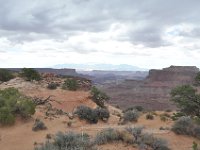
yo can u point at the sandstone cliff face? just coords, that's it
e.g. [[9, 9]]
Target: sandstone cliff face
[[154, 91]]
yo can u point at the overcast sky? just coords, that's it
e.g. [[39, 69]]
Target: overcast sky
[[144, 33]]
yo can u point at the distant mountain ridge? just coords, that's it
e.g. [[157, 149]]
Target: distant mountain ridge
[[110, 67]]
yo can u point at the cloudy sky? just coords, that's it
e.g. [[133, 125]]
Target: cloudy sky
[[144, 33]]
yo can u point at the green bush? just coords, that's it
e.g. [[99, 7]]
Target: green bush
[[13, 103], [70, 84], [87, 113], [5, 75], [92, 115], [99, 97], [131, 115], [30, 74], [68, 141]]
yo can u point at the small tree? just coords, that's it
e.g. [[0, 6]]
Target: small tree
[[186, 99], [99, 97], [30, 74]]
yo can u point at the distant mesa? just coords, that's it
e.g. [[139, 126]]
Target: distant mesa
[[65, 71], [180, 74]]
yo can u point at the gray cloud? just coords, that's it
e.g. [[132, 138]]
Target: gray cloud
[[27, 20], [194, 33]]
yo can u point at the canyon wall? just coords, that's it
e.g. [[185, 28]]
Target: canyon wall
[[154, 91]]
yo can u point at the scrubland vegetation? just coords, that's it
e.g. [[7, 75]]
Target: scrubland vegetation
[[130, 136], [185, 121]]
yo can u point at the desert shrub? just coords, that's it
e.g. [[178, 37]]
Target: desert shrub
[[136, 132], [155, 143], [70, 84], [131, 136], [106, 136], [39, 125], [99, 97], [183, 126], [92, 115], [5, 75], [102, 113], [30, 74], [13, 103], [87, 113], [125, 136], [149, 116], [186, 126], [68, 141], [131, 115], [52, 86]]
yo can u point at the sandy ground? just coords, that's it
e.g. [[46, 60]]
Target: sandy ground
[[21, 137]]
